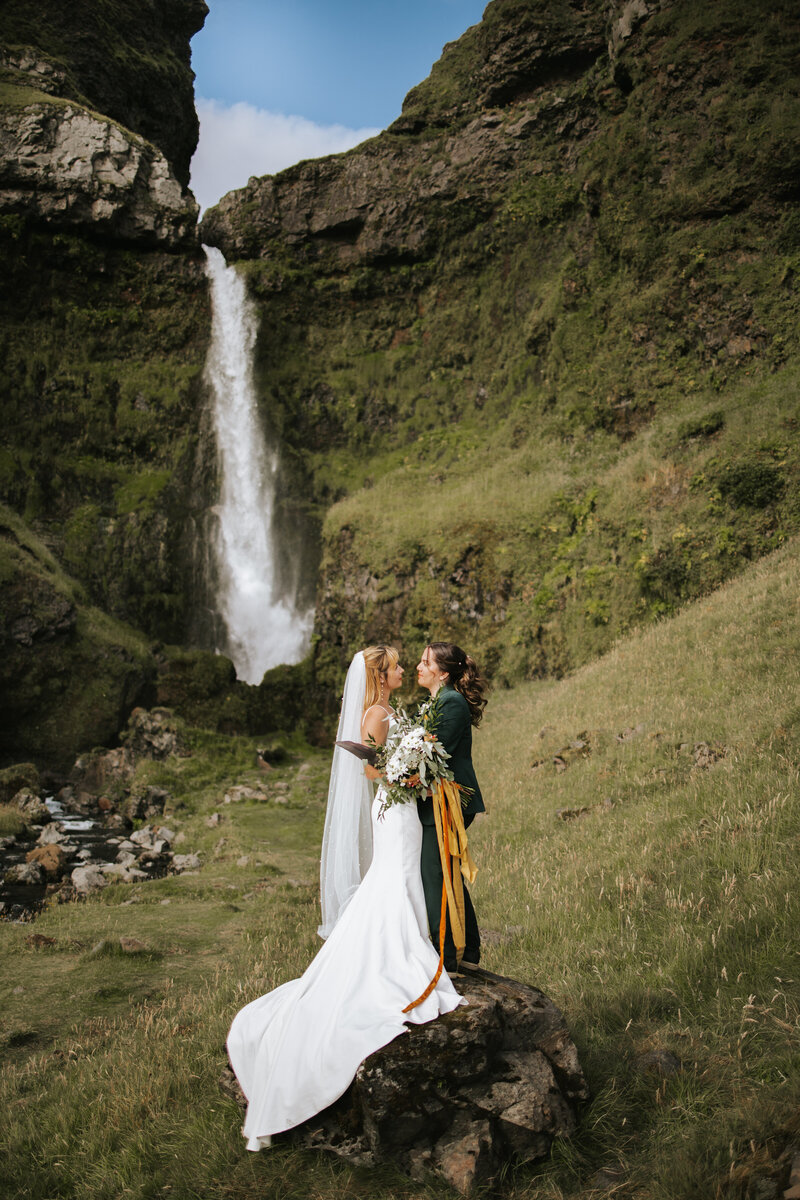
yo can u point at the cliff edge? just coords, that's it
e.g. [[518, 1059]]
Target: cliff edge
[[97, 119]]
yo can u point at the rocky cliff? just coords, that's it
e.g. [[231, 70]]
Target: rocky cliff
[[97, 120], [130, 62], [536, 344], [103, 329]]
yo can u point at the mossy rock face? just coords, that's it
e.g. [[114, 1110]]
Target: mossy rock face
[[196, 684], [105, 450], [70, 674], [203, 689]]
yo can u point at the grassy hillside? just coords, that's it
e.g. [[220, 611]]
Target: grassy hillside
[[661, 918], [537, 551]]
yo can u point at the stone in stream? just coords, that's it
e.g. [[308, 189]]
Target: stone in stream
[[51, 858], [87, 879], [459, 1098], [31, 806], [26, 873], [51, 834]]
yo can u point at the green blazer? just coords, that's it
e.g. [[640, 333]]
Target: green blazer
[[454, 731]]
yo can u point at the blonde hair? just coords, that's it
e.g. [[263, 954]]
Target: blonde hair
[[379, 660]]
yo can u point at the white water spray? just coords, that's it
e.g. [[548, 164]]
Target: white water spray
[[264, 627]]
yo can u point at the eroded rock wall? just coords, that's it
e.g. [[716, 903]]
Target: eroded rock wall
[[68, 167], [103, 330]]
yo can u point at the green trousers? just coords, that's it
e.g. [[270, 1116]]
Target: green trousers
[[432, 882]]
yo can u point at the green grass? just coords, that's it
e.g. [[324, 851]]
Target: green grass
[[12, 822], [539, 559], [664, 917]]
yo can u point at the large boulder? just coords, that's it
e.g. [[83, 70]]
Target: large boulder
[[488, 1084], [88, 879], [27, 873], [153, 734], [51, 858], [31, 806]]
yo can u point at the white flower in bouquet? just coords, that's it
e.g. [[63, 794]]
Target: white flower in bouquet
[[411, 761]]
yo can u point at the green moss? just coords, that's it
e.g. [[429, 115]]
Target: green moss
[[14, 96], [142, 493], [12, 822], [102, 351], [753, 485], [16, 777]]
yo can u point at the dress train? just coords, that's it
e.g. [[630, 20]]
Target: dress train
[[296, 1049]]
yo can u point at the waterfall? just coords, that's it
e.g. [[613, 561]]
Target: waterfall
[[262, 618]]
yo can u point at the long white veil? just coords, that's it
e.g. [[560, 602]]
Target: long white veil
[[347, 840]]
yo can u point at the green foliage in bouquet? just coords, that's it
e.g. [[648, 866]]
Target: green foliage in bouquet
[[412, 759]]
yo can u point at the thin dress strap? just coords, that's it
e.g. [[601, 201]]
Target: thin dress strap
[[388, 715]]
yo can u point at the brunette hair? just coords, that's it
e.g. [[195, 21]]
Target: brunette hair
[[379, 660], [462, 671]]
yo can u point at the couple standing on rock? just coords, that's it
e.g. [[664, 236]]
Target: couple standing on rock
[[296, 1049]]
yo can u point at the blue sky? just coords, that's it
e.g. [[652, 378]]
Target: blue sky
[[281, 80]]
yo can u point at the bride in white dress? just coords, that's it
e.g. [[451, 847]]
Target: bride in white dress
[[296, 1049]]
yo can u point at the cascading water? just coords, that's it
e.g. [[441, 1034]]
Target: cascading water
[[264, 623]]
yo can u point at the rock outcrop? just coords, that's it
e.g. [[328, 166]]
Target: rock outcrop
[[71, 167], [397, 197], [489, 1084], [131, 61]]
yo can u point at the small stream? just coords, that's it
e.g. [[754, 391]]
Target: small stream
[[86, 841]]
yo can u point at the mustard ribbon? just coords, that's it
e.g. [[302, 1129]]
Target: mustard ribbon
[[451, 835]]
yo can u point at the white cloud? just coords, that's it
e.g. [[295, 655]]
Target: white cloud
[[239, 140]]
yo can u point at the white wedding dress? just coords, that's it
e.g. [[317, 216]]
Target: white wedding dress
[[296, 1050]]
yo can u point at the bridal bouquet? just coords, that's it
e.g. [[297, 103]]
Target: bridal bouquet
[[411, 760]]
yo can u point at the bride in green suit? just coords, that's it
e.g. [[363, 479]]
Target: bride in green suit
[[453, 680]]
